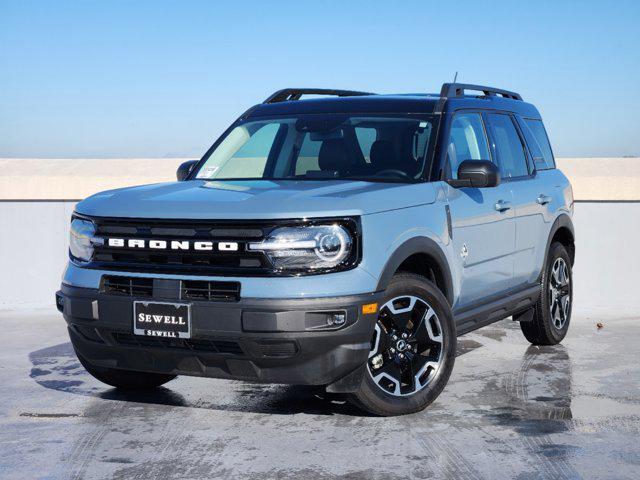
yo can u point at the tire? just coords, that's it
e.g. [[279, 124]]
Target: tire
[[402, 378], [552, 312], [125, 379]]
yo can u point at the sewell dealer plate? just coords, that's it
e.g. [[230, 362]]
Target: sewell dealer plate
[[158, 319]]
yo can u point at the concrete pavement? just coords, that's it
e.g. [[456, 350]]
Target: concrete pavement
[[510, 410]]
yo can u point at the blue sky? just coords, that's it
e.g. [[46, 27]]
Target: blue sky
[[165, 78]]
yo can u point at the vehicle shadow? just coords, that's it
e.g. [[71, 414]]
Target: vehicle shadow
[[57, 368]]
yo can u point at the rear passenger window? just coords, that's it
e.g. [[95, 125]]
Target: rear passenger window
[[508, 146], [539, 133], [467, 141]]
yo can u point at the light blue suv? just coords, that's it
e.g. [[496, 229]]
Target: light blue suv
[[344, 240]]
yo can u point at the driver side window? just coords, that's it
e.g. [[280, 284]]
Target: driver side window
[[467, 141]]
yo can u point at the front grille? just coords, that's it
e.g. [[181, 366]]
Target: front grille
[[204, 290], [131, 286], [191, 261], [189, 289], [197, 345]]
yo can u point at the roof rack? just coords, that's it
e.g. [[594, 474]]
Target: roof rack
[[295, 94], [450, 90]]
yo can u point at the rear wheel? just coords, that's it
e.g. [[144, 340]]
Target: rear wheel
[[125, 379], [412, 349], [552, 312]]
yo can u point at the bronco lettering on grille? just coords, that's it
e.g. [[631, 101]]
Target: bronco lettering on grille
[[172, 244]]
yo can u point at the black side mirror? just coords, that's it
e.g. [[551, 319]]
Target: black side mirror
[[477, 174], [185, 169]]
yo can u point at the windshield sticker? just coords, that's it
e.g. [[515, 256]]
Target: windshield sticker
[[208, 172]]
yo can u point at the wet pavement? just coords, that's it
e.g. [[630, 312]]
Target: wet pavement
[[510, 410]]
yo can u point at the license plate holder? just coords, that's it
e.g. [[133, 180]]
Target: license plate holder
[[162, 319]]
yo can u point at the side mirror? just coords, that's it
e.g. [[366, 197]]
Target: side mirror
[[476, 174], [185, 169]]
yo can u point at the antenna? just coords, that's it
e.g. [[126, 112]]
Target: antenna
[[455, 77]]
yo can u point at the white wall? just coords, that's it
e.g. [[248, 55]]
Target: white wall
[[33, 252], [607, 263]]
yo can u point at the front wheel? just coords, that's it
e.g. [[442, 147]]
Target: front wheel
[[552, 312], [412, 349]]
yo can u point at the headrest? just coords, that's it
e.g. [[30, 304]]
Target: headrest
[[334, 155], [382, 155]]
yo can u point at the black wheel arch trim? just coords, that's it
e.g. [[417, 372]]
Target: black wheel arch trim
[[563, 221], [418, 245]]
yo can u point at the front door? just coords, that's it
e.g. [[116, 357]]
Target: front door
[[482, 219]]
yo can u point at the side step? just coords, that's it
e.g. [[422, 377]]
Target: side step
[[486, 314]]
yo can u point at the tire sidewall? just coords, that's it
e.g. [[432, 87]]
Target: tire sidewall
[[556, 251]]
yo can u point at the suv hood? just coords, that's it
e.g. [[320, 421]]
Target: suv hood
[[255, 199]]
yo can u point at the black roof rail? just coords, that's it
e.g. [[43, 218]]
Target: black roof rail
[[295, 94], [450, 90]]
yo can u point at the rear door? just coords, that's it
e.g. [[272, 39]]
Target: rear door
[[482, 219], [535, 202], [517, 171]]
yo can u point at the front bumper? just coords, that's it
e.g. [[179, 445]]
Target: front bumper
[[264, 340]]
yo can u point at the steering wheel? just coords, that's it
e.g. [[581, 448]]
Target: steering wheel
[[392, 172]]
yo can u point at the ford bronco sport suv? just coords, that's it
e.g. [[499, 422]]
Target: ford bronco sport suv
[[343, 240]]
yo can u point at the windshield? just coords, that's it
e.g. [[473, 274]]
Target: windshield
[[316, 147]]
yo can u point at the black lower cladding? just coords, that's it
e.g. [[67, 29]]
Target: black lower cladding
[[272, 341]]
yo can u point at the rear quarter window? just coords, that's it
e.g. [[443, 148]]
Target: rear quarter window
[[538, 142]]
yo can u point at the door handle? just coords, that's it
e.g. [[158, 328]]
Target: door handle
[[543, 199], [502, 206]]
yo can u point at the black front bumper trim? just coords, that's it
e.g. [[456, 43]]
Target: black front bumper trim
[[265, 340]]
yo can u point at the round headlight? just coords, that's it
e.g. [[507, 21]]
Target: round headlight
[[81, 236], [332, 246], [310, 247]]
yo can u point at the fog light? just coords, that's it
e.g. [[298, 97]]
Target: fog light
[[59, 302], [336, 319], [325, 320]]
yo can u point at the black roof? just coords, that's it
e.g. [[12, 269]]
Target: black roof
[[452, 97]]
